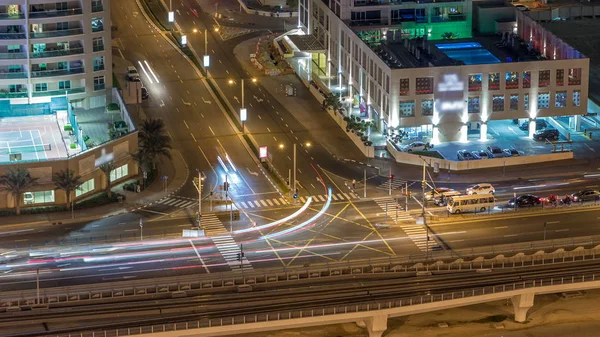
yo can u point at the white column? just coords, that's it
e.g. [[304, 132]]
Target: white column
[[521, 304], [532, 124], [483, 131], [577, 119]]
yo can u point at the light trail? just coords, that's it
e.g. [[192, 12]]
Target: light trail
[[145, 72], [152, 72], [280, 221]]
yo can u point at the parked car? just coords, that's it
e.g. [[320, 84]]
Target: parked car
[[525, 200], [586, 195], [539, 124], [132, 74], [145, 93], [550, 134], [512, 153], [416, 146], [481, 154], [482, 188], [466, 155], [494, 152]]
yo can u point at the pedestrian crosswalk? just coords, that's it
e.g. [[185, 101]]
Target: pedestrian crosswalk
[[416, 233], [179, 202], [275, 202], [229, 249], [396, 184]]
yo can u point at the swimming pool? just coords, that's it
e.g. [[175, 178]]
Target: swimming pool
[[468, 52]]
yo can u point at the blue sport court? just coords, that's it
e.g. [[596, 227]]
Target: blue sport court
[[26, 143]]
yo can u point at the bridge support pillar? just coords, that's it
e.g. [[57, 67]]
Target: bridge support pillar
[[521, 304], [376, 325]]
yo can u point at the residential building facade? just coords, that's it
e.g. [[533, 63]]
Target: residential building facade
[[49, 48]]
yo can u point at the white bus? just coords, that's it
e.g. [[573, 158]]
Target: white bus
[[470, 203]]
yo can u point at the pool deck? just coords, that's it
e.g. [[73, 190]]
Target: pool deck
[[438, 57]]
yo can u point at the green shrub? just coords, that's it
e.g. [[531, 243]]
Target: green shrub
[[73, 146], [112, 107], [98, 200], [68, 128]]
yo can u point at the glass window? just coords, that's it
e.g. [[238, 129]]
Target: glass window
[[498, 103], [86, 187], [62, 26], [427, 107], [473, 105], [97, 24], [41, 87], [119, 173], [64, 85], [560, 77], [560, 99], [424, 85], [527, 79], [512, 80], [544, 79], [494, 81], [407, 108], [526, 102], [404, 86], [514, 102], [98, 63], [98, 82], [575, 76], [14, 48], [475, 82], [543, 100], [40, 197], [576, 98], [98, 43]]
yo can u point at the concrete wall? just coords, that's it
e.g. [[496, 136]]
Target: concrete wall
[[282, 14], [406, 158], [487, 17]]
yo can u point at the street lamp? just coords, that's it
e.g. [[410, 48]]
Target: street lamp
[[199, 187], [243, 111]]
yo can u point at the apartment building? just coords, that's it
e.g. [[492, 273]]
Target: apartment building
[[52, 48], [415, 66]]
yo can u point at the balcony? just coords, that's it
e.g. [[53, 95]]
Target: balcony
[[12, 36], [54, 53], [98, 47], [373, 22], [101, 86], [99, 8], [57, 33], [360, 3], [6, 16], [57, 72], [6, 94], [55, 13], [59, 92], [12, 75], [97, 28], [12, 56]]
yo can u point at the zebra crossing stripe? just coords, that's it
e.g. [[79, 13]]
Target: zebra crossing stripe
[[171, 202], [243, 204], [263, 203], [269, 202], [276, 202], [302, 200], [283, 201], [346, 195], [257, 204], [340, 196], [334, 197]]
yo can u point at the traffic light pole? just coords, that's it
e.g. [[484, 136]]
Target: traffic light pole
[[199, 199], [390, 176], [423, 183]]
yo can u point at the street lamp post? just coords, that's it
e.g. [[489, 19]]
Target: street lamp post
[[200, 179], [423, 183], [294, 184]]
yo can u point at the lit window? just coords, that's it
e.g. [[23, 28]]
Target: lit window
[[543, 100], [40, 197], [119, 172], [86, 187]]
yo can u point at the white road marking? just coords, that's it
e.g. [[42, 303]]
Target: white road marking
[[211, 130], [186, 124], [193, 137]]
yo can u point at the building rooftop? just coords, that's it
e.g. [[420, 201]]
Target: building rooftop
[[418, 53]]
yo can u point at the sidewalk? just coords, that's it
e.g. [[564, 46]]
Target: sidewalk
[[304, 107]]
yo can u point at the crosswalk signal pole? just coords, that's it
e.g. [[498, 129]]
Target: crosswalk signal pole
[[406, 197], [423, 183], [365, 183]]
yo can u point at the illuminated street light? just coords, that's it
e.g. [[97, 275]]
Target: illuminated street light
[[281, 146], [243, 110]]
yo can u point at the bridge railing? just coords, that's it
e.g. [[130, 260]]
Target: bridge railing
[[330, 310], [165, 287]]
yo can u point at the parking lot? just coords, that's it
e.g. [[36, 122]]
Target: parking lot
[[505, 134]]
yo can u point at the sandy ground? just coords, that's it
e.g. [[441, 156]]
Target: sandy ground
[[551, 316]]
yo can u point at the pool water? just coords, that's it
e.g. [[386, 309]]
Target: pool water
[[468, 52]]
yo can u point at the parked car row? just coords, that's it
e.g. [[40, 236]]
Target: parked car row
[[489, 152], [132, 75]]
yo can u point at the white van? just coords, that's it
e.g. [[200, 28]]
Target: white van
[[470, 203]]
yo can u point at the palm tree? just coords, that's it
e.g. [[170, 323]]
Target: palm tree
[[67, 181], [154, 141], [106, 169], [17, 181]]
